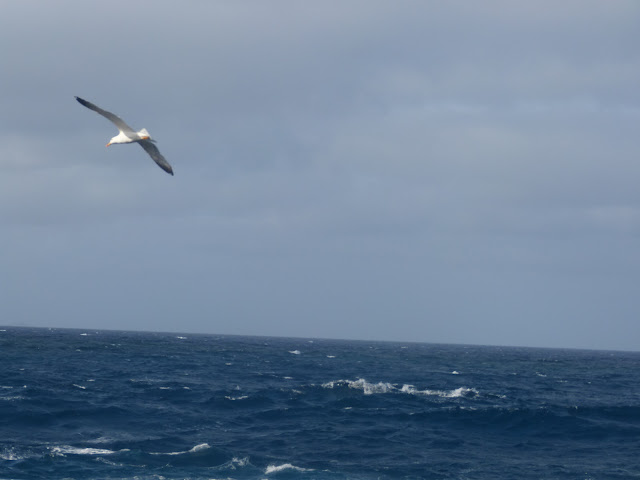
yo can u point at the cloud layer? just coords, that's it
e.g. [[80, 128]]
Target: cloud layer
[[362, 169]]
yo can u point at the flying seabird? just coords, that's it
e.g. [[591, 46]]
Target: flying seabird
[[129, 135]]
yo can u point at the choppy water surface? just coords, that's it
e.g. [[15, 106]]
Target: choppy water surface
[[121, 405]]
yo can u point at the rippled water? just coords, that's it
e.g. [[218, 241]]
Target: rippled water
[[118, 405]]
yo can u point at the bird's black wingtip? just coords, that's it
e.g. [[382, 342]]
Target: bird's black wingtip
[[81, 101]]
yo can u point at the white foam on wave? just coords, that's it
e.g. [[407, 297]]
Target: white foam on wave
[[68, 450], [79, 386], [287, 466], [12, 398], [295, 352], [242, 397], [239, 462], [383, 387], [9, 455], [362, 384], [198, 448], [455, 393]]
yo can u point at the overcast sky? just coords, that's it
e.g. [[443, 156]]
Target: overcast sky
[[459, 172]]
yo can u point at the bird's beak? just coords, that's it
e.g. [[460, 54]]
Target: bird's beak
[[108, 144], [145, 138]]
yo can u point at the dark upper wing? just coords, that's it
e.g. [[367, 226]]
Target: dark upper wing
[[154, 153], [114, 118]]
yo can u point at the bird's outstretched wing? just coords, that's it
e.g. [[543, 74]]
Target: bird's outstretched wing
[[154, 153], [122, 126]]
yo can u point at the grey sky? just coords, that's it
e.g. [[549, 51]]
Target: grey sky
[[462, 172]]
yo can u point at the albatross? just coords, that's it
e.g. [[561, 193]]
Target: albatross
[[129, 135]]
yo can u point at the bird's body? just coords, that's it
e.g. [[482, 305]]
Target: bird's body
[[129, 135]]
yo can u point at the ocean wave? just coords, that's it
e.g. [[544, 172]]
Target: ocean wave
[[287, 466], [455, 393], [10, 394], [236, 462], [384, 387], [361, 384], [10, 398], [10, 455], [68, 450], [198, 448]]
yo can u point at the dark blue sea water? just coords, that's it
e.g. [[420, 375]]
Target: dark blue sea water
[[117, 405]]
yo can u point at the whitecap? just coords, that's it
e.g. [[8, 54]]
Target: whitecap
[[79, 386], [371, 388], [458, 392], [331, 356], [295, 352], [182, 338], [362, 384], [455, 372], [12, 398], [9, 456], [384, 387], [287, 466], [461, 392], [66, 449], [198, 448], [239, 462], [243, 397]]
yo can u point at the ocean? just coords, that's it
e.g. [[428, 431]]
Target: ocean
[[123, 405]]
